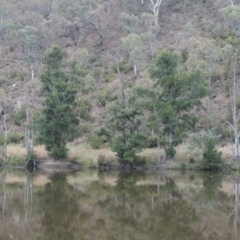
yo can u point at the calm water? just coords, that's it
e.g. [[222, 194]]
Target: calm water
[[119, 205]]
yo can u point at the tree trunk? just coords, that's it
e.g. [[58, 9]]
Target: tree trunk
[[5, 130], [235, 117], [155, 6], [4, 193]]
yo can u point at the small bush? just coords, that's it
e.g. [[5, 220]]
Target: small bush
[[16, 160], [212, 159], [192, 160], [13, 74], [109, 77], [58, 152], [15, 137], [84, 128], [96, 141], [103, 161], [96, 74], [152, 141], [183, 166], [103, 97]]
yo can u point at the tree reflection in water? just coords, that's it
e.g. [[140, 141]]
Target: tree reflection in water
[[59, 207], [121, 205], [131, 214]]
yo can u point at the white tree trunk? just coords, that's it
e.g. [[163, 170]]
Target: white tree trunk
[[235, 115], [231, 2], [134, 66], [4, 193], [5, 130], [155, 6]]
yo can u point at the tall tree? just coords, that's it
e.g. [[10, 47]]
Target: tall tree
[[58, 116], [174, 96], [231, 56], [124, 124]]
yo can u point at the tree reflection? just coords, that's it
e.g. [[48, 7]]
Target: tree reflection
[[211, 184], [59, 207], [4, 195], [173, 217], [131, 214], [234, 215]]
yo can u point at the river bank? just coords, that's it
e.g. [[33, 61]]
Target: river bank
[[83, 156]]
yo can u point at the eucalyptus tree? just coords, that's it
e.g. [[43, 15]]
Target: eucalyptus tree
[[174, 97], [133, 45], [28, 35], [231, 56]]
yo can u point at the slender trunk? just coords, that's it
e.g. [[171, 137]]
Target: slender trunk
[[236, 215], [5, 130], [32, 129], [231, 2], [122, 94], [235, 116], [156, 116], [4, 193], [134, 66], [158, 149], [236, 148], [155, 6], [27, 139]]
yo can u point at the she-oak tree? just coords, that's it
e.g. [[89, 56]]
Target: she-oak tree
[[58, 119]]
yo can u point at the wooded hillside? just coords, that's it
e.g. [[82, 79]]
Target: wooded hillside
[[115, 42]]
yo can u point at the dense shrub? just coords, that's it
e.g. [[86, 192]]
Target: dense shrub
[[212, 159], [152, 141], [96, 141]]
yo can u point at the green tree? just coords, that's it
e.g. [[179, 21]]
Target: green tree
[[123, 128], [58, 119], [174, 96]]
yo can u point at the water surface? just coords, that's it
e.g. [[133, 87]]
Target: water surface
[[119, 205]]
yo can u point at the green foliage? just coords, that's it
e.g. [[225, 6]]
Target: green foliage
[[84, 108], [58, 120], [104, 162], [152, 141], [96, 141], [212, 159], [96, 74], [102, 97], [84, 128], [126, 151], [232, 17], [15, 137], [192, 160], [16, 160], [172, 98], [58, 151], [129, 23], [123, 128], [198, 142]]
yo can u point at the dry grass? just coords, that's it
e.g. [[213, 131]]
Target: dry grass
[[18, 149], [87, 156]]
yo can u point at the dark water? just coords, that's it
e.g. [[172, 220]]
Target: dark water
[[119, 205]]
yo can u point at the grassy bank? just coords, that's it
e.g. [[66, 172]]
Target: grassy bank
[[88, 157]]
